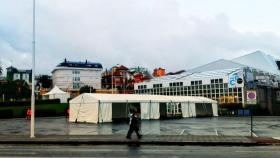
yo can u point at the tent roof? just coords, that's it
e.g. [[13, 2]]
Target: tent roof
[[95, 97], [260, 61], [55, 90], [222, 67], [221, 64]]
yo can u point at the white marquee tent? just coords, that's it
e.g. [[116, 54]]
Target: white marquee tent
[[57, 93], [97, 108]]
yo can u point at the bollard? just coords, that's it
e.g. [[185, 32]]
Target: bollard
[[251, 124]]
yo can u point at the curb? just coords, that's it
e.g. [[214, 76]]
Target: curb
[[147, 140]]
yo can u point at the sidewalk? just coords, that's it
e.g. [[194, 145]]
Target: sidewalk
[[146, 140]]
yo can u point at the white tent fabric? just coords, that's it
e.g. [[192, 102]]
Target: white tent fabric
[[215, 109], [154, 114], [105, 112], [149, 110], [97, 108], [83, 111], [57, 93], [259, 60], [145, 113], [188, 109]]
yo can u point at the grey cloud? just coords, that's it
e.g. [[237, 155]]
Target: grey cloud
[[148, 33]]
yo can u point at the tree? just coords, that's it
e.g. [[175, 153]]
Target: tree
[[1, 70], [45, 81], [15, 90], [87, 89]]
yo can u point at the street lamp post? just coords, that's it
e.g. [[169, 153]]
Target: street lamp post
[[32, 128], [112, 79]]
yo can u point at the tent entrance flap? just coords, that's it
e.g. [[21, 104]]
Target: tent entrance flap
[[120, 111], [170, 110], [203, 109]]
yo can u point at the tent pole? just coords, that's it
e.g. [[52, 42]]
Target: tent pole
[[126, 111], [98, 111], [150, 109]]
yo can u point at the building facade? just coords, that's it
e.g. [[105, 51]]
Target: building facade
[[71, 76], [232, 83], [158, 72], [116, 78], [122, 79], [17, 74]]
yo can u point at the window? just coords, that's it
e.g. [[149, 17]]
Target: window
[[76, 85], [157, 85], [216, 81], [76, 79], [16, 76], [142, 87], [76, 72]]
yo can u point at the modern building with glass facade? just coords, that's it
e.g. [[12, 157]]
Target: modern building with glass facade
[[250, 80]]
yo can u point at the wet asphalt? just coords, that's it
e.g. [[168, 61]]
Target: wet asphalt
[[228, 126]]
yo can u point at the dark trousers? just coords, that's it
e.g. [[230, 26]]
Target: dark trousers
[[130, 131]]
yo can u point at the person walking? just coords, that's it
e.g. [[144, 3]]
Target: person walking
[[134, 125]]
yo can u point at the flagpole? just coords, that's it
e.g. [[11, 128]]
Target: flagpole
[[32, 128]]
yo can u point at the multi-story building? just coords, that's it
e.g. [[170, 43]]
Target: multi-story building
[[71, 76], [252, 80], [122, 79], [17, 74], [117, 77]]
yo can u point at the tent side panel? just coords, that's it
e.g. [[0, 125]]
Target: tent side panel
[[88, 112], [73, 111], [145, 110], [192, 109], [185, 109], [215, 109], [105, 112], [155, 114]]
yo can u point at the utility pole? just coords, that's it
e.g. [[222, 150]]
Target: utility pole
[[32, 128], [112, 79]]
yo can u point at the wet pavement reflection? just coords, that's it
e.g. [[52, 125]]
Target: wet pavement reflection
[[235, 126]]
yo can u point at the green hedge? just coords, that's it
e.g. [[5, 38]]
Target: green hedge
[[43, 110], [27, 103]]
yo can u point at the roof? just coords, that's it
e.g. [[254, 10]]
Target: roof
[[79, 64], [222, 67], [95, 97], [15, 70], [217, 65], [55, 90], [259, 60], [193, 76]]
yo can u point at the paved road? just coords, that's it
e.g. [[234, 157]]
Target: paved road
[[235, 126], [138, 151]]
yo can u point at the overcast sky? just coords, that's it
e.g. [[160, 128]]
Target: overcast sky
[[173, 34]]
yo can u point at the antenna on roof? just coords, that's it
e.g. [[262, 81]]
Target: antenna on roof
[[86, 61]]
